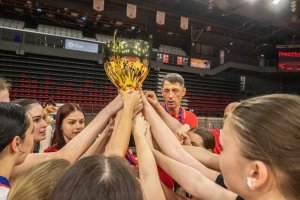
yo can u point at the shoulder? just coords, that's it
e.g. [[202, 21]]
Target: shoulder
[[189, 113], [191, 119]]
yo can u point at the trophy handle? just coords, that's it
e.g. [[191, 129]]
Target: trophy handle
[[115, 42]]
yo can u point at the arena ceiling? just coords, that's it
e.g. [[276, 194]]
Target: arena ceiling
[[257, 21]]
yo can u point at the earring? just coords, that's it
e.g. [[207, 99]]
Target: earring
[[249, 182]]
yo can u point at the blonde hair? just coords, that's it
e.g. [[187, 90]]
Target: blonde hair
[[39, 181]]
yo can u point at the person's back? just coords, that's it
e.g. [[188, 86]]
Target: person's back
[[98, 177]]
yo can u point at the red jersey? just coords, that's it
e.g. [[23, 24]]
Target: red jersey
[[185, 117], [52, 148], [216, 134]]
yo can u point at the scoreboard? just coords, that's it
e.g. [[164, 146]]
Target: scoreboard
[[172, 59], [289, 60]]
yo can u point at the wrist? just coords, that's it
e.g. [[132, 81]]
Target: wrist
[[128, 106], [117, 103]]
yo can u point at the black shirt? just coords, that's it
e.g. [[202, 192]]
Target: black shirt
[[220, 182]]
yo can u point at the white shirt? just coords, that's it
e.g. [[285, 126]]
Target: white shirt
[[3, 192]]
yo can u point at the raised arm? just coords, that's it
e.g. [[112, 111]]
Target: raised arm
[[169, 143], [147, 166], [193, 181], [119, 140], [173, 124], [176, 127], [204, 156], [100, 143], [79, 144]]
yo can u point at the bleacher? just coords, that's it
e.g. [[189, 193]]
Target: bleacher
[[10, 23], [85, 82], [206, 96], [59, 31], [171, 50], [63, 80]]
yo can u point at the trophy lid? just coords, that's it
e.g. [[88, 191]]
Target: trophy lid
[[129, 48]]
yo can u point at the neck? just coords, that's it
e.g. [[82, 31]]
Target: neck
[[174, 111], [276, 195], [66, 139], [6, 166]]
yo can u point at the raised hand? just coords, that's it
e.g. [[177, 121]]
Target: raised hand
[[131, 98], [181, 133], [151, 97], [186, 139]]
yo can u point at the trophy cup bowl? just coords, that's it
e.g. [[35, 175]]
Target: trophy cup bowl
[[126, 63]]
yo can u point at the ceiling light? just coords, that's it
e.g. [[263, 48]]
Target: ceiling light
[[276, 2]]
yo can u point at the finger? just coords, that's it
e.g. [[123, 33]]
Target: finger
[[143, 97], [151, 100], [178, 137], [140, 89], [121, 92]]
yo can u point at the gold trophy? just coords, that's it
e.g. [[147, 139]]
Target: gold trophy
[[126, 63]]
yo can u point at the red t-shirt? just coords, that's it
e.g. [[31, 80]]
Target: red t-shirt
[[216, 134], [185, 117], [52, 148]]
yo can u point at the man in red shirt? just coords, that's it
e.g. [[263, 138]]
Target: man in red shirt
[[173, 90]]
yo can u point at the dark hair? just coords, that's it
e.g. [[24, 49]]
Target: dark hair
[[173, 78], [14, 121], [49, 102], [26, 103], [207, 136], [269, 129], [58, 138], [98, 177]]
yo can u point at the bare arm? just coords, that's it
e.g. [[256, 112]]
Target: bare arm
[[176, 127], [204, 156], [147, 166], [194, 182], [169, 143], [77, 146], [171, 195], [119, 140], [99, 145], [173, 124]]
